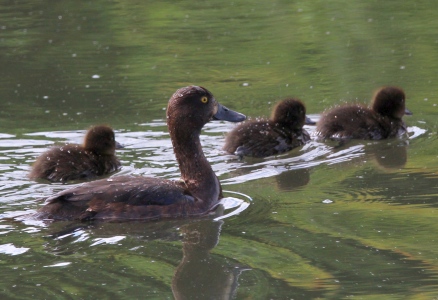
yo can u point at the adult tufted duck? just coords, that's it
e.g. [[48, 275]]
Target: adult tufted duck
[[143, 198], [264, 137], [96, 157], [355, 121]]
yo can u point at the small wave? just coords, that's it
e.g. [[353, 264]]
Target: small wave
[[236, 205]]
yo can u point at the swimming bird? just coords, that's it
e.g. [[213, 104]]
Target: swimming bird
[[263, 137], [142, 198], [96, 157], [355, 121]]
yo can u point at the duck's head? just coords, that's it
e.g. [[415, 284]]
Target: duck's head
[[291, 112], [194, 106], [390, 101], [101, 139]]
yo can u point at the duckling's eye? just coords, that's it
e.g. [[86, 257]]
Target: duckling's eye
[[204, 99]]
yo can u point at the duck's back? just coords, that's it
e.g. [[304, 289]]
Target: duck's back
[[122, 197], [261, 138], [72, 162], [356, 122]]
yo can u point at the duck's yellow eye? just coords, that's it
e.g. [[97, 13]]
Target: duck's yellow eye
[[204, 99]]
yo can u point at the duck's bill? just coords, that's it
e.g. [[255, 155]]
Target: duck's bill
[[408, 112], [226, 114], [309, 121], [119, 146]]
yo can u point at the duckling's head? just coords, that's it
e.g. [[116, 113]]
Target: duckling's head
[[390, 101], [290, 112], [194, 106], [101, 139]]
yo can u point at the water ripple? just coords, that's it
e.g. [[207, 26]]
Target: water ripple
[[235, 204]]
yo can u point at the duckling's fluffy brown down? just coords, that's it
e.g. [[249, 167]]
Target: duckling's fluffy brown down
[[263, 137], [355, 121], [96, 157]]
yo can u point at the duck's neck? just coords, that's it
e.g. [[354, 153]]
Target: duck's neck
[[195, 168]]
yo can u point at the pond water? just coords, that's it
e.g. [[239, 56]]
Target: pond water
[[322, 221]]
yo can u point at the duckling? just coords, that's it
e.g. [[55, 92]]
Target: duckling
[[144, 198], [265, 137], [355, 121], [96, 157]]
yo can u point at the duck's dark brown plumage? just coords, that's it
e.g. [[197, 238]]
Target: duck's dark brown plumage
[[265, 137], [354, 121], [141, 198], [96, 157]]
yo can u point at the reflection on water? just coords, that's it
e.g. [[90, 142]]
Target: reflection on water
[[201, 275], [392, 156], [198, 275], [12, 250], [290, 180]]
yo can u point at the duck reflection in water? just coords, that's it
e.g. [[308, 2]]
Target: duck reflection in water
[[144, 198], [96, 157], [201, 275], [265, 137], [292, 179], [387, 156], [391, 156], [287, 177]]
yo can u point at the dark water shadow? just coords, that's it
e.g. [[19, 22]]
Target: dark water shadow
[[387, 155], [293, 179], [201, 275]]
